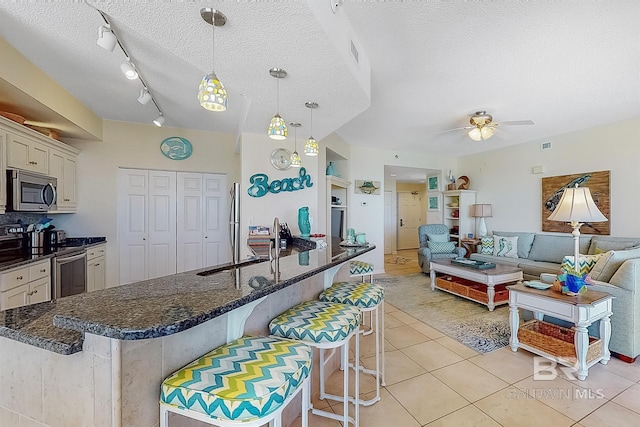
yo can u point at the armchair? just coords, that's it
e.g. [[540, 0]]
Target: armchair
[[426, 254]]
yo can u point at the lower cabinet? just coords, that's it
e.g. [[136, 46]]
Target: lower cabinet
[[96, 271], [25, 285]]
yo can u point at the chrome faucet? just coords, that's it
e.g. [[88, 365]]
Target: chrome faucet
[[276, 240]]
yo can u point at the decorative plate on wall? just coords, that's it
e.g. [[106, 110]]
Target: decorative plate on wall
[[176, 148], [281, 158]]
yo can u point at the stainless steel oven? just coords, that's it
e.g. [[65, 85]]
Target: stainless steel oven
[[69, 273]]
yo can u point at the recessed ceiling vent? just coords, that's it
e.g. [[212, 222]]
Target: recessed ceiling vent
[[545, 146], [354, 51]]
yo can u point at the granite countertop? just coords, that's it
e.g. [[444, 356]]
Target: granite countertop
[[163, 306]]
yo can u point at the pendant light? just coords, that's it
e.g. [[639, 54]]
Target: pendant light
[[296, 161], [311, 145], [278, 127], [211, 93]]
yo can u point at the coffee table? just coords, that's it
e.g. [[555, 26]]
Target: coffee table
[[477, 285]]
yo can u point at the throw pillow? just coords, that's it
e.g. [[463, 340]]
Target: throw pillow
[[486, 243], [609, 263], [585, 263], [505, 246], [438, 237], [525, 241], [441, 247], [610, 245]]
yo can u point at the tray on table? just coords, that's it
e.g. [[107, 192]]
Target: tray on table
[[479, 265]]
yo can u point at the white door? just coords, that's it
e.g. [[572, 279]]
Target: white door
[[389, 223], [409, 219], [162, 224], [189, 221], [133, 195], [216, 249]]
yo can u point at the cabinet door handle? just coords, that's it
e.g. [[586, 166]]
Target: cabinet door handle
[[97, 264], [19, 278], [43, 270], [401, 222], [33, 292]]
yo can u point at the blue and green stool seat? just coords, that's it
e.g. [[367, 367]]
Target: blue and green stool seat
[[367, 297], [361, 269], [247, 382], [325, 325]]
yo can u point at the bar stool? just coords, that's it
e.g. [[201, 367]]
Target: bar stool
[[246, 382], [361, 269], [325, 325], [367, 297]]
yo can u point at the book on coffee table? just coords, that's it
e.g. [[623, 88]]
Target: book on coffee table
[[465, 262]]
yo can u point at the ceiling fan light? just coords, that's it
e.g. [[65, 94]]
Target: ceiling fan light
[[278, 128], [296, 161], [486, 132], [311, 147], [129, 70], [212, 94], [475, 134]]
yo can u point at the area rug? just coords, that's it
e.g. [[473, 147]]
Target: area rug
[[470, 323]]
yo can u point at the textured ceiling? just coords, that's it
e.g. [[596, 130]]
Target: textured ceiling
[[566, 65]]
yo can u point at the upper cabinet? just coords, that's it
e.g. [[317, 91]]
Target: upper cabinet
[[26, 149]]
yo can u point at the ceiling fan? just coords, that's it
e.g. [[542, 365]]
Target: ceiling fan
[[482, 125]]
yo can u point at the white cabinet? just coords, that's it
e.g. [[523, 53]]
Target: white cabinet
[[26, 153], [25, 285], [337, 204], [457, 213], [165, 227], [3, 168], [62, 166], [96, 271]]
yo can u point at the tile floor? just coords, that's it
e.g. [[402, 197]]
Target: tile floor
[[433, 380]]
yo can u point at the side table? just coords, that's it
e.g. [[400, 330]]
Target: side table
[[582, 310], [470, 245]]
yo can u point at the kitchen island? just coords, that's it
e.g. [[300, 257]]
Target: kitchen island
[[98, 359]]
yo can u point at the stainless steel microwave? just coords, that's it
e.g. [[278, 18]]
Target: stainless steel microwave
[[31, 192]]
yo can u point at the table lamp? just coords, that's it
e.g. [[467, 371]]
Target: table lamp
[[576, 207], [482, 211]]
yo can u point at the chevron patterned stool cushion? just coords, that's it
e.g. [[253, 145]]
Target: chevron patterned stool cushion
[[243, 380], [317, 322], [363, 295], [357, 268]]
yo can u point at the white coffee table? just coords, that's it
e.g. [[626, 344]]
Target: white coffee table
[[490, 277], [582, 310]]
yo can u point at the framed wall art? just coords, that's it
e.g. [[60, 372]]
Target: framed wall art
[[598, 185], [433, 202], [367, 187], [433, 183]]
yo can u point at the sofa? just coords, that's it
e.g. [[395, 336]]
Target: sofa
[[542, 254], [427, 251]]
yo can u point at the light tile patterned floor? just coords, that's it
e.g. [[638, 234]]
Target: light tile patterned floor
[[433, 380]]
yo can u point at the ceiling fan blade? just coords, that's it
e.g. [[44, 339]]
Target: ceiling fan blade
[[517, 122], [451, 130]]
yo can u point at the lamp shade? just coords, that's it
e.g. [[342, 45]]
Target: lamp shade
[[577, 205], [212, 94], [482, 210]]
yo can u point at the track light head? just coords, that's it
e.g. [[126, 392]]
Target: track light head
[[144, 97], [129, 70], [159, 121], [106, 39]]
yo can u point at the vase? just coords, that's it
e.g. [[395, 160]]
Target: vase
[[331, 170], [303, 222]]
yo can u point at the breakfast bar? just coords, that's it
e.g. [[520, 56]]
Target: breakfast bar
[[127, 339]]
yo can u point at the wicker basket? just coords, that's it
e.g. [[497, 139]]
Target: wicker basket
[[556, 340]]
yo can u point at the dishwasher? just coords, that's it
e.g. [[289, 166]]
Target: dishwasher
[[69, 273]]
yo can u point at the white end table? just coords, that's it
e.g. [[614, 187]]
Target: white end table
[[582, 310]]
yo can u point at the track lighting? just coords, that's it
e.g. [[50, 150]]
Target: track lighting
[[144, 97], [159, 121], [106, 39], [129, 70], [211, 92]]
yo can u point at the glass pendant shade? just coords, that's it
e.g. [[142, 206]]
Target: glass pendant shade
[[278, 128], [296, 161], [475, 134], [212, 94], [486, 132], [311, 147]]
